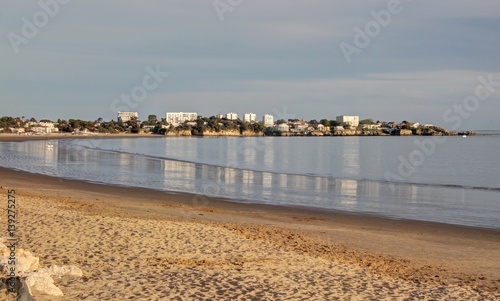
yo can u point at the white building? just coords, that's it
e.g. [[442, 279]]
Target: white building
[[41, 130], [176, 118], [371, 126], [231, 116], [268, 120], [44, 127], [127, 116], [16, 130], [353, 121], [299, 127], [281, 127], [249, 117], [48, 124]]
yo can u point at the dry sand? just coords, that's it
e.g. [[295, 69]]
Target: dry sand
[[139, 244]]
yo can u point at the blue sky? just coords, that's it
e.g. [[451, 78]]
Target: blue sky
[[279, 57]]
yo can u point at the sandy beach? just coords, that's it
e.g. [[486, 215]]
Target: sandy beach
[[139, 244]]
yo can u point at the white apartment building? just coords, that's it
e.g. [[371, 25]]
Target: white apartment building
[[353, 121], [176, 118], [231, 116], [268, 120], [249, 117], [127, 116]]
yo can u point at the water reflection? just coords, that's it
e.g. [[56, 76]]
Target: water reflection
[[348, 193], [350, 156], [427, 202]]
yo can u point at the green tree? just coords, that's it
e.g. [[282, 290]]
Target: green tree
[[134, 125], [152, 119], [135, 128], [8, 122], [334, 123], [257, 127], [325, 122]]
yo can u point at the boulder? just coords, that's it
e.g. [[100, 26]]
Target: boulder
[[25, 261], [31, 275]]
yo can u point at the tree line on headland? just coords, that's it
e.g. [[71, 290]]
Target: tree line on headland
[[215, 126]]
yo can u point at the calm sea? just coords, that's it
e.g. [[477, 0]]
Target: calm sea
[[449, 179]]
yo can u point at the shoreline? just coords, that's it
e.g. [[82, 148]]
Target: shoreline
[[420, 252], [245, 201], [16, 137], [222, 202], [383, 215]]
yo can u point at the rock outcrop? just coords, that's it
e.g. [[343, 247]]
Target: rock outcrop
[[28, 272], [226, 133], [179, 133], [347, 132]]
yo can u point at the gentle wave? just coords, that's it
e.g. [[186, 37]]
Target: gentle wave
[[442, 185]]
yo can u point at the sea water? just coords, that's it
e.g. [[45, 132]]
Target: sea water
[[442, 179]]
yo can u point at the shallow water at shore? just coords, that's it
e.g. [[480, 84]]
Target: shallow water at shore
[[457, 183]]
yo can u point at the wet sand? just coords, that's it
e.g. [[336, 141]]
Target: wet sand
[[140, 244]]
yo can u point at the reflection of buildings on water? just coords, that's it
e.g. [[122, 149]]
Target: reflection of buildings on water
[[368, 188], [281, 180], [50, 152], [267, 180], [414, 193], [248, 177], [322, 184], [348, 192], [232, 150], [229, 175], [180, 175], [350, 156], [268, 152], [44, 151]]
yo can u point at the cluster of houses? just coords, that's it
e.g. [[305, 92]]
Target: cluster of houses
[[37, 128], [342, 125], [177, 118], [301, 126]]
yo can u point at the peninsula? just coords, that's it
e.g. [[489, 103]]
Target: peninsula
[[228, 125]]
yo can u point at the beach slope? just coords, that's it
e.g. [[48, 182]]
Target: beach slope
[[139, 244]]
